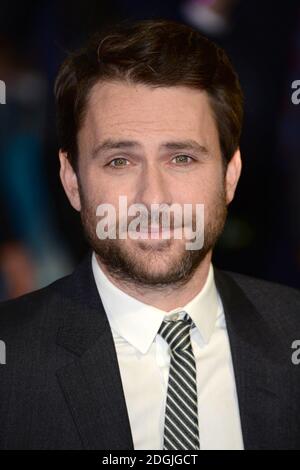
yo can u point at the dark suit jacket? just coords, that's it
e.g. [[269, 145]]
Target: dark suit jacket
[[61, 387]]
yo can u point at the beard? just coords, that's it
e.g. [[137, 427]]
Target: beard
[[164, 264]]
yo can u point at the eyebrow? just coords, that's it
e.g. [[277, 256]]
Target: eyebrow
[[111, 144]]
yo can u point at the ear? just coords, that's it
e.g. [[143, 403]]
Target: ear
[[232, 176], [69, 180]]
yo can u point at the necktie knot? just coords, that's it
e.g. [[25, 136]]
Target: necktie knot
[[177, 333]]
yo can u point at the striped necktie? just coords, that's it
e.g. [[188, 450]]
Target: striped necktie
[[181, 413]]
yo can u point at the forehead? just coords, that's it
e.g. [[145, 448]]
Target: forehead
[[137, 109]]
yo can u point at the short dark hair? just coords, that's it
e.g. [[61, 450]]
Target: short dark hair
[[154, 52]]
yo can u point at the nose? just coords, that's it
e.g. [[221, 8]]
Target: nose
[[153, 187]]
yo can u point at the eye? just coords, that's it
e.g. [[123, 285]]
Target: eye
[[182, 159], [119, 162]]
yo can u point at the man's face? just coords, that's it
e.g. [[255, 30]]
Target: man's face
[[148, 172]]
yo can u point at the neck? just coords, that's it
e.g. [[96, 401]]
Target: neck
[[174, 296]]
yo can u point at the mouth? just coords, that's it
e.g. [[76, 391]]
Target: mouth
[[155, 229], [155, 233]]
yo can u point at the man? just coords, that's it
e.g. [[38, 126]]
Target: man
[[147, 345]]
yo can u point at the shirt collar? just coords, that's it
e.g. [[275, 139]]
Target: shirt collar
[[138, 323]]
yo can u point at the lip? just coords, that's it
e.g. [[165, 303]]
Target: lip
[[156, 230], [155, 234]]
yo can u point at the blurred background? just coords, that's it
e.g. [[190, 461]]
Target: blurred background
[[40, 234]]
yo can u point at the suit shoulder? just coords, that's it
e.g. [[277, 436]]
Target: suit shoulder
[[30, 307], [272, 300], [261, 287]]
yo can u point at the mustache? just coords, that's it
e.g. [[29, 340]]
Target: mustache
[[159, 220]]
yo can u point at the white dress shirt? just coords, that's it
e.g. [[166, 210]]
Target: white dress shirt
[[144, 359]]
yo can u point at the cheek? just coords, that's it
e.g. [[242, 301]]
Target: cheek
[[199, 191], [93, 185], [210, 193]]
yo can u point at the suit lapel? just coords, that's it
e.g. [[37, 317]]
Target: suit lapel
[[91, 383], [258, 368]]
